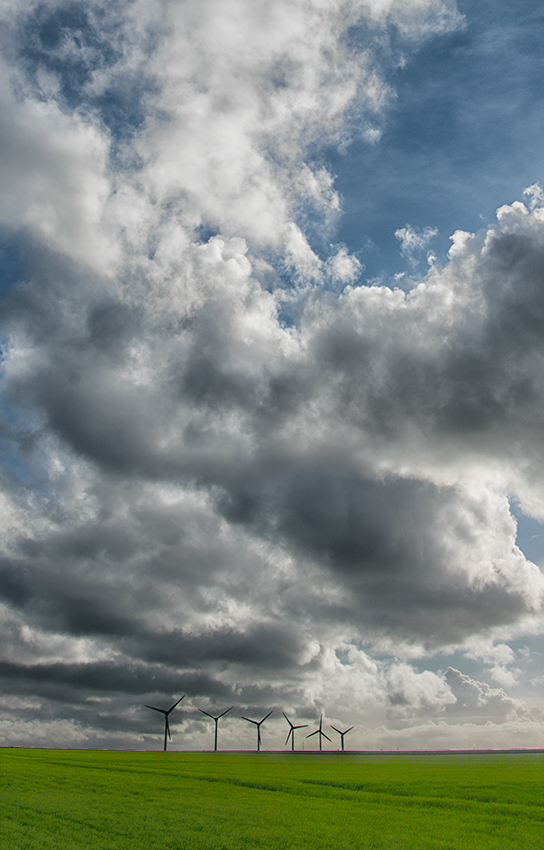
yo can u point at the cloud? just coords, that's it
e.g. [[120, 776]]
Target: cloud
[[413, 691], [413, 242], [231, 464], [343, 267], [535, 194], [477, 698], [54, 173]]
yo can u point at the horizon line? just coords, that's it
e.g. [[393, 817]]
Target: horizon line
[[449, 751]]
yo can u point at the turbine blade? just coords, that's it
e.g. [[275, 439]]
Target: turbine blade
[[289, 722], [337, 730], [207, 713], [248, 720], [162, 711], [303, 726], [326, 736], [349, 730], [176, 703], [311, 735], [267, 716], [168, 728], [225, 712], [288, 736]]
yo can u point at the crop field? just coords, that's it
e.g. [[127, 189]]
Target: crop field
[[80, 799]]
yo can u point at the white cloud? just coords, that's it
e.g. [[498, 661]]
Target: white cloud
[[476, 699], [413, 241], [410, 691], [343, 267], [535, 194], [54, 177]]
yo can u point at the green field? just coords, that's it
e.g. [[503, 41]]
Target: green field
[[192, 801]]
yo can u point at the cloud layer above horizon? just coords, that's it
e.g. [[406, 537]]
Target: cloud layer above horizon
[[231, 466]]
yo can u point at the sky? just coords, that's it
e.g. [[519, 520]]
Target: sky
[[272, 372]]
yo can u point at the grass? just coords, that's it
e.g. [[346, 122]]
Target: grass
[[79, 799]]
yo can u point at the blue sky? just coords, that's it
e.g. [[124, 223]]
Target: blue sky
[[270, 436], [460, 137]]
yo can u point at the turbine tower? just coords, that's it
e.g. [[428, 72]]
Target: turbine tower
[[291, 733], [258, 724], [215, 718], [342, 734], [320, 732], [166, 721]]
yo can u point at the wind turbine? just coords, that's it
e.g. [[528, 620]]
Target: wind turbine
[[342, 734], [258, 724], [291, 733], [319, 732], [166, 721], [215, 718]]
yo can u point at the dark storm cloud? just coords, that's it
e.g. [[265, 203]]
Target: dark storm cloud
[[76, 682], [468, 376], [385, 375], [15, 583], [83, 599], [266, 646], [116, 578], [474, 378], [388, 542]]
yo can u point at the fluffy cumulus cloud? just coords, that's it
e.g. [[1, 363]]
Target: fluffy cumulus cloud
[[231, 468]]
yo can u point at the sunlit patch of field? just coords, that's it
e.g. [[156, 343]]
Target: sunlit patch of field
[[78, 799]]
